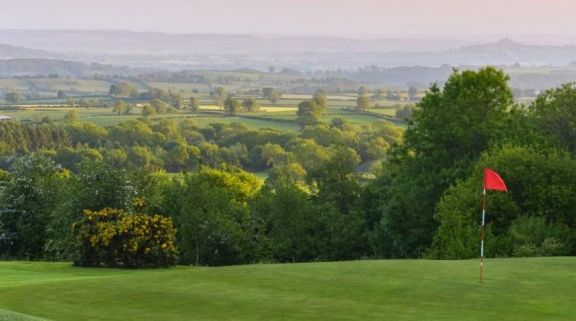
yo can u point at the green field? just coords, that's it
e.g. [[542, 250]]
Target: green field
[[43, 102], [515, 289], [105, 116]]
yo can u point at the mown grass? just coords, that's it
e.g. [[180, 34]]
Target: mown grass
[[11, 316], [515, 289]]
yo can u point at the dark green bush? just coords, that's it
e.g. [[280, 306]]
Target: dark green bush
[[533, 236]]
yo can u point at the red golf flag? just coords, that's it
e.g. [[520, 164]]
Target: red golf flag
[[493, 181]]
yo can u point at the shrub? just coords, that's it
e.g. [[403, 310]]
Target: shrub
[[532, 236], [113, 238], [535, 218]]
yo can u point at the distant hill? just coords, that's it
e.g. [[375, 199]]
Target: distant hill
[[8, 52], [62, 68], [521, 77], [379, 62], [508, 52], [218, 51], [124, 42]]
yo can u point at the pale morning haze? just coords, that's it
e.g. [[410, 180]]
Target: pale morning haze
[[302, 17]]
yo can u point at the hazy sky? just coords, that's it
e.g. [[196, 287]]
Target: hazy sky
[[309, 17]]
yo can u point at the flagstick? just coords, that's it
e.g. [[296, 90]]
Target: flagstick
[[482, 235]]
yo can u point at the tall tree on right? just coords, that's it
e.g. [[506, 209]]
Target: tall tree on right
[[554, 112], [449, 130]]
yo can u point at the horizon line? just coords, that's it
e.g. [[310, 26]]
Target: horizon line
[[415, 36]]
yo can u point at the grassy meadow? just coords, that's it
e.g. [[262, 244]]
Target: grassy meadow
[[43, 102], [515, 289], [105, 117], [270, 116]]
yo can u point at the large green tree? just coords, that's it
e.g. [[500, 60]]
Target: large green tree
[[293, 224], [123, 89], [194, 105], [308, 113], [363, 103], [272, 94], [210, 211], [96, 186], [554, 113], [251, 105], [120, 107], [160, 106], [449, 130], [232, 106], [28, 195], [321, 99]]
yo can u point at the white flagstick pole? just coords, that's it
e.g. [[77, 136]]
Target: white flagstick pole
[[482, 235]]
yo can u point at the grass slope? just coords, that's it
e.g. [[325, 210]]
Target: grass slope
[[516, 289], [11, 316]]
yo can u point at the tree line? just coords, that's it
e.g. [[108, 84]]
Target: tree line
[[424, 201], [178, 145]]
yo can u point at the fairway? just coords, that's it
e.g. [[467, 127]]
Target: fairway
[[515, 289]]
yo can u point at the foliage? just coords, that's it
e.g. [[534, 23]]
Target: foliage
[[96, 186], [533, 236], [405, 112], [123, 89], [71, 117], [232, 106], [194, 104], [210, 211], [336, 179], [148, 110], [120, 108], [345, 191], [363, 103], [308, 113], [294, 224], [113, 238], [555, 115], [272, 94], [159, 106], [540, 184], [321, 100], [27, 198], [449, 130], [177, 101], [13, 97], [251, 105], [21, 137]]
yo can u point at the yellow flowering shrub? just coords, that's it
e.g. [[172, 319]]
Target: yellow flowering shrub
[[112, 237]]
